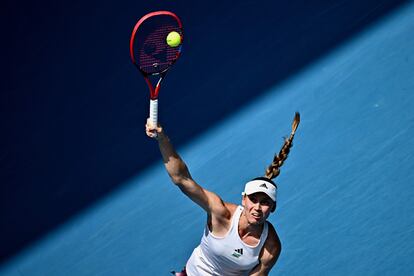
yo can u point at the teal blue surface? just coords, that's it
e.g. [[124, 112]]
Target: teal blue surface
[[345, 204]]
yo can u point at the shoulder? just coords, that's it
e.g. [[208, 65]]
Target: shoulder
[[272, 237], [224, 211], [269, 254], [231, 207], [271, 248], [219, 220]]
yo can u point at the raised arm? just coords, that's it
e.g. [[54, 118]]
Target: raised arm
[[180, 175]]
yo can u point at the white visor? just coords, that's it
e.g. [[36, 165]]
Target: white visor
[[260, 186]]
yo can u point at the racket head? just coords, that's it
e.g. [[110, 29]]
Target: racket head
[[148, 47]]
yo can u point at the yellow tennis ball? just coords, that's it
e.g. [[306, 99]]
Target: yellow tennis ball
[[173, 39]]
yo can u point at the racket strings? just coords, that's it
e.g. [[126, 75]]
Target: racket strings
[[154, 54]]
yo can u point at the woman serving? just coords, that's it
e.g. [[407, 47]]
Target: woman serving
[[237, 239]]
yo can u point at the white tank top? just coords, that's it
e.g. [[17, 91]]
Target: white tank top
[[226, 256]]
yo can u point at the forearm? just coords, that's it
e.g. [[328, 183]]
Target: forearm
[[175, 166], [180, 175]]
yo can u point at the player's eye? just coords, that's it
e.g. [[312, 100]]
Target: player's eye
[[266, 203], [253, 199]]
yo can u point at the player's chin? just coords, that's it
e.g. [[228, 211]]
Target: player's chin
[[256, 220]]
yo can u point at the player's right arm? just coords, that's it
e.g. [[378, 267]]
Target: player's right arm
[[180, 175]]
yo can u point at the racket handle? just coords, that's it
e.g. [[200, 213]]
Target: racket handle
[[154, 112]]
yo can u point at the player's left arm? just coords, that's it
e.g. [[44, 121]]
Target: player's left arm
[[269, 254]]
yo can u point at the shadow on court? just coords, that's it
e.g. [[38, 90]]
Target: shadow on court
[[74, 107]]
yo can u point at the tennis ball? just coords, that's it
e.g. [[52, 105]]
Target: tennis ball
[[173, 39]]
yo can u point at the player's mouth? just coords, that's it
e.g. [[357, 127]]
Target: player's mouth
[[256, 216]]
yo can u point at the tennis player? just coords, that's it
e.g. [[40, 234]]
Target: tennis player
[[237, 239]]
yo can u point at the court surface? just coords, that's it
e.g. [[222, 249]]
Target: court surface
[[345, 202]]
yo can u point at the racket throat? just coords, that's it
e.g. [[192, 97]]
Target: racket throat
[[154, 91], [154, 98], [157, 89]]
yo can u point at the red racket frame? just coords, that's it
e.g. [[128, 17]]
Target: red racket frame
[[153, 91]]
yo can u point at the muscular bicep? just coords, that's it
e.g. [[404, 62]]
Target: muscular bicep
[[207, 200]]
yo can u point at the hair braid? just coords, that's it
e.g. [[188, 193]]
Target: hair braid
[[274, 169]]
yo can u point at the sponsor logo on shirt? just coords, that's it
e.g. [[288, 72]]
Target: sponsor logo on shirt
[[237, 253]]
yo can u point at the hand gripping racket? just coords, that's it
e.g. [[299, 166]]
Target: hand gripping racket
[[150, 52]]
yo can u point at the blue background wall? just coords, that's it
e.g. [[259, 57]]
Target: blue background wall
[[83, 191]]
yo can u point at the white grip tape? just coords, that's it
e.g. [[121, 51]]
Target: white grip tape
[[154, 112]]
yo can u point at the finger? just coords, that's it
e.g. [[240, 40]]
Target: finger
[[150, 123], [151, 133], [150, 127]]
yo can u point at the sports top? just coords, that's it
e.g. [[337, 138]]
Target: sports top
[[227, 255]]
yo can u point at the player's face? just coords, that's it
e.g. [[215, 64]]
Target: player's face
[[258, 207]]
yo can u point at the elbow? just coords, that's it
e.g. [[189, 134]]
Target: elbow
[[182, 181], [177, 179], [180, 175]]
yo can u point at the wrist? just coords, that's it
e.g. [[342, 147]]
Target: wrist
[[161, 136]]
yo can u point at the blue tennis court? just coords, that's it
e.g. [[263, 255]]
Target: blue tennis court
[[345, 204]]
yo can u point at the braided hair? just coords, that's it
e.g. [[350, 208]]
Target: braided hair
[[274, 169]]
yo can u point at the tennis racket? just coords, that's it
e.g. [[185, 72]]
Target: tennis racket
[[151, 54]]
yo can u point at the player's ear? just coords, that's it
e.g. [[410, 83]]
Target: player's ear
[[274, 207], [243, 200]]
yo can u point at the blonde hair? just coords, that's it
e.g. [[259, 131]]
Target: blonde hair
[[274, 169]]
